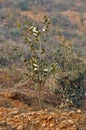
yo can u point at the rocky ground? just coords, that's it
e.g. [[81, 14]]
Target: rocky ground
[[14, 119], [19, 111]]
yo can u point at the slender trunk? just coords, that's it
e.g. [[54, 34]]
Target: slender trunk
[[39, 95]]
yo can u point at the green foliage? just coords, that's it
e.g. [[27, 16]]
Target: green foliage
[[65, 63], [35, 37], [70, 74]]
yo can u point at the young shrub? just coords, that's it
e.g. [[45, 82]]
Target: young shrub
[[35, 36], [70, 74]]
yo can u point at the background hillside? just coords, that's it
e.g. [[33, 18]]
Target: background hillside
[[69, 16]]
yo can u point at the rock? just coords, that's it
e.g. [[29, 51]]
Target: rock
[[52, 125], [43, 125], [20, 128], [71, 121], [50, 118], [14, 112], [71, 113], [79, 111]]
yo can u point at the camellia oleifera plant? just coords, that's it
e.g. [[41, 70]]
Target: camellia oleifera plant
[[64, 63], [36, 36], [70, 74]]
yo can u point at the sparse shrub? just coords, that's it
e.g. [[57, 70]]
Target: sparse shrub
[[70, 75]]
